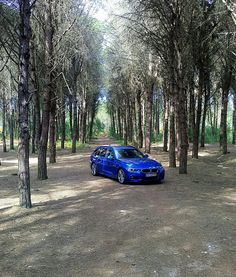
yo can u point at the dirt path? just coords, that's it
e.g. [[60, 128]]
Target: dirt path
[[92, 226]]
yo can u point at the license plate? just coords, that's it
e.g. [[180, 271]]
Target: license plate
[[151, 174]]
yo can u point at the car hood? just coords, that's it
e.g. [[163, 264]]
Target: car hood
[[140, 163]]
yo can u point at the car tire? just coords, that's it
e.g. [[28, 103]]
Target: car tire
[[121, 176], [94, 169]]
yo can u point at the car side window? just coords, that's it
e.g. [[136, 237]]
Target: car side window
[[97, 152], [102, 152], [110, 153]]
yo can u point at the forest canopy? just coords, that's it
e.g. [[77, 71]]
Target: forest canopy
[[163, 70]]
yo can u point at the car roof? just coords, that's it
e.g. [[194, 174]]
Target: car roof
[[118, 146]]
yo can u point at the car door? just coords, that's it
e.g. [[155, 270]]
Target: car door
[[109, 163], [98, 157]]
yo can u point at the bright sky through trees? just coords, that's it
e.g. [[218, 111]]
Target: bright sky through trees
[[106, 9]]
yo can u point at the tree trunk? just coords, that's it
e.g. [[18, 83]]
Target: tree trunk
[[158, 115], [203, 131], [191, 113], [36, 101], [63, 121], [33, 131], [75, 125], [224, 108], [139, 111], [172, 143], [196, 129], [71, 117], [165, 123], [223, 123], [52, 133], [4, 123], [148, 118], [42, 155], [182, 129], [92, 123], [119, 123], [234, 121], [84, 126], [11, 125], [23, 105], [125, 128]]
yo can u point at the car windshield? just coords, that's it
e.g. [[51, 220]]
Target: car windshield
[[128, 153]]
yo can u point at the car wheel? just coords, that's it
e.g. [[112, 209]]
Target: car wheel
[[121, 176], [94, 169]]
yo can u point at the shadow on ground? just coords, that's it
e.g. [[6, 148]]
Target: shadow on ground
[[91, 226]]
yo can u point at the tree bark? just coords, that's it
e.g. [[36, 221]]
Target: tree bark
[[43, 143], [52, 130], [63, 121], [148, 118], [84, 123], [139, 110], [36, 101], [196, 129], [226, 82], [119, 123], [71, 116], [172, 142], [23, 105], [125, 128], [75, 124], [4, 122], [158, 115], [33, 131], [166, 123], [203, 130], [182, 128], [234, 121], [223, 123]]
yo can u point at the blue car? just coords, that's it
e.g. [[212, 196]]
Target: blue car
[[126, 164]]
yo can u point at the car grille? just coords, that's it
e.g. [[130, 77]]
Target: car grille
[[146, 170]]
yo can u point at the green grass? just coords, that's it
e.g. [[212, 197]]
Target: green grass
[[68, 145]]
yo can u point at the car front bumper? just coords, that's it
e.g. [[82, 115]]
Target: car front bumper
[[136, 177]]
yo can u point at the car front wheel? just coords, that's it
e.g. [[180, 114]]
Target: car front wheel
[[94, 169], [121, 176]]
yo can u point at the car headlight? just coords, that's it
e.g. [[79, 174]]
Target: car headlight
[[133, 169]]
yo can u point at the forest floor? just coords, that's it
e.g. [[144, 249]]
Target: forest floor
[[82, 225]]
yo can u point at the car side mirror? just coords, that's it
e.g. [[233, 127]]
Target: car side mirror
[[110, 157], [146, 156]]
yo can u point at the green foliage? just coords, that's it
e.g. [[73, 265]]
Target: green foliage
[[212, 135], [156, 137], [98, 127], [68, 145]]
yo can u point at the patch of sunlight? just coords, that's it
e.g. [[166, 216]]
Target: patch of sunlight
[[72, 157], [7, 168], [187, 211], [12, 209], [15, 161], [204, 154], [165, 229], [8, 202], [233, 161], [124, 212], [71, 221], [222, 166], [231, 197]]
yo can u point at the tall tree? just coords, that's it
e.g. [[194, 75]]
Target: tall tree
[[23, 104]]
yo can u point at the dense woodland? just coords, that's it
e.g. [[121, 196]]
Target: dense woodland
[[166, 70]]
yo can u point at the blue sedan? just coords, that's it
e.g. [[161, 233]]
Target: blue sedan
[[126, 164]]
